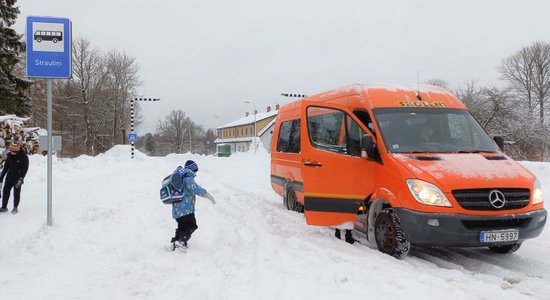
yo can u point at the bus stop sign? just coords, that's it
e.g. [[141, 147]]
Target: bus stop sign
[[49, 47]]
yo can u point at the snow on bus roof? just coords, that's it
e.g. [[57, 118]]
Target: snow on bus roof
[[392, 87]]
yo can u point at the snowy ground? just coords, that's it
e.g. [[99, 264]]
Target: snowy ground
[[110, 240]]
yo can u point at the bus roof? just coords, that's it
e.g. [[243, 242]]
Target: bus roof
[[376, 95]]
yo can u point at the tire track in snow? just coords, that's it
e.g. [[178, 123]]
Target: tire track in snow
[[507, 275], [510, 271]]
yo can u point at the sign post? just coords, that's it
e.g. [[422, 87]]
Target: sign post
[[132, 136], [49, 43]]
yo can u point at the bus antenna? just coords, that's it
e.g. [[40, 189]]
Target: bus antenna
[[418, 96]]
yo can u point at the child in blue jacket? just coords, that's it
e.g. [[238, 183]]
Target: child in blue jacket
[[184, 211]]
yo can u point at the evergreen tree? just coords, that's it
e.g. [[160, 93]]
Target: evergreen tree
[[14, 97]]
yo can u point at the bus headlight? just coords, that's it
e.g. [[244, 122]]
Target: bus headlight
[[537, 192], [427, 193]]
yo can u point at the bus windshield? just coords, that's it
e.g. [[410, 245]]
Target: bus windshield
[[429, 130]]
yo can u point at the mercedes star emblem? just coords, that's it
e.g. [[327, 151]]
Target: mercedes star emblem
[[496, 198]]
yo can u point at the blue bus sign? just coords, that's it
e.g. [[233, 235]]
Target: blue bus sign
[[132, 137], [49, 47]]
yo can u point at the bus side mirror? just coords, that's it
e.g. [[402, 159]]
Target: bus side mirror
[[500, 142], [368, 147]]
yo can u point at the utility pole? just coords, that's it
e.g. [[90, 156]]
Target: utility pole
[[132, 136]]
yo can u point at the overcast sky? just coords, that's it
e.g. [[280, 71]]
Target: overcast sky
[[207, 57]]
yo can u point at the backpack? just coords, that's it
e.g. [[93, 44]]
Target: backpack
[[172, 188]]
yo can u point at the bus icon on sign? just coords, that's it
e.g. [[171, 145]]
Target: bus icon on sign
[[44, 35]]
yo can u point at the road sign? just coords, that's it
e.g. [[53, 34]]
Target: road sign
[[49, 47], [43, 142], [132, 137]]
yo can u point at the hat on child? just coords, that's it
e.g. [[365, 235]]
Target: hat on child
[[191, 165], [14, 147]]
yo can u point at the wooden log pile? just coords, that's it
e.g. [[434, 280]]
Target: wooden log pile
[[13, 129]]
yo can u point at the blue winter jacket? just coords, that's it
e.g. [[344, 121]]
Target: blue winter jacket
[[190, 190]]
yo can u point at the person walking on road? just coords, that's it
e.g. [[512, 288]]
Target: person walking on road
[[14, 171], [184, 211]]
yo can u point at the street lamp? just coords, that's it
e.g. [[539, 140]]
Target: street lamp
[[255, 132]]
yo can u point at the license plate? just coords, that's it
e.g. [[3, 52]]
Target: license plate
[[499, 236]]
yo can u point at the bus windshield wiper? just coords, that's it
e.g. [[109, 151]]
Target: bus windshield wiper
[[412, 152]]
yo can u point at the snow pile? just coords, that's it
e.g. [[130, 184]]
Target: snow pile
[[111, 233]]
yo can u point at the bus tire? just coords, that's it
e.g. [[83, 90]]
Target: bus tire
[[54, 40], [390, 238], [290, 199], [39, 40]]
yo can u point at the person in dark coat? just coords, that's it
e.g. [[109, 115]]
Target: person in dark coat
[[14, 171], [184, 211]]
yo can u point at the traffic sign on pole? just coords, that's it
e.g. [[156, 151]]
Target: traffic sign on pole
[[49, 42], [49, 47], [132, 137]]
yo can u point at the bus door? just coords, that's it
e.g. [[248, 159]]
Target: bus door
[[336, 179]]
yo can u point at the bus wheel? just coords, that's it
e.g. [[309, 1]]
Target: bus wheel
[[291, 201], [54, 40], [390, 238], [39, 40], [506, 249]]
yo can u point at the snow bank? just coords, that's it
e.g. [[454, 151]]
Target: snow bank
[[110, 240]]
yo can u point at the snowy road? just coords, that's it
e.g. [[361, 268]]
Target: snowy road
[[110, 241]]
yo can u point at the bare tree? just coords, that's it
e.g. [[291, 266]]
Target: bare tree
[[178, 133], [173, 129], [122, 81], [528, 73], [471, 95], [209, 138], [89, 77], [438, 82], [541, 78]]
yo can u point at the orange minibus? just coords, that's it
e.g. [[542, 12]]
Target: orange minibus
[[402, 165]]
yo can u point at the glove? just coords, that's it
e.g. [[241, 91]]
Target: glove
[[19, 183], [210, 197]]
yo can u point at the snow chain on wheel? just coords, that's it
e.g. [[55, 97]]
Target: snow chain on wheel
[[390, 238], [291, 201]]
